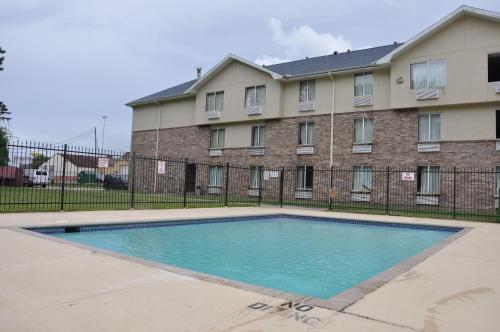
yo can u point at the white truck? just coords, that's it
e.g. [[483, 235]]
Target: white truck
[[35, 177]]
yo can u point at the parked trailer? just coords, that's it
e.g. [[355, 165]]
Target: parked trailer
[[11, 176]]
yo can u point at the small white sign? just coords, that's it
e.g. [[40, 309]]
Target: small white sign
[[161, 166], [408, 176], [103, 163], [271, 174]]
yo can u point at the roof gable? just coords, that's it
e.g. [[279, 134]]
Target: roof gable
[[223, 64], [436, 27]]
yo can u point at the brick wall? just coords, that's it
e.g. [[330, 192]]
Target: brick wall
[[394, 143]]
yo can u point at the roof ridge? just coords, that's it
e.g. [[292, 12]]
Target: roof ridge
[[330, 54]]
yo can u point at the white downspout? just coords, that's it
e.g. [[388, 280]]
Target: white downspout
[[157, 143], [331, 117]]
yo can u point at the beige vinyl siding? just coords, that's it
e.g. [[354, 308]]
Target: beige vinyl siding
[[464, 45], [233, 80], [174, 113]]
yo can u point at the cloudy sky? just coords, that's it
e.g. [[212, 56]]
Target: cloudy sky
[[68, 63]]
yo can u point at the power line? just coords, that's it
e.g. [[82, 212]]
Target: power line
[[76, 138]]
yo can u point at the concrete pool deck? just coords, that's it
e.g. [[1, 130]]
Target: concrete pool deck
[[51, 286]]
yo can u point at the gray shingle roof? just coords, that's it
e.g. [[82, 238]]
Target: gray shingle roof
[[304, 67], [174, 91], [326, 63]]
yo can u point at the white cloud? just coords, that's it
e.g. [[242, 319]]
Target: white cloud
[[269, 60], [305, 41]]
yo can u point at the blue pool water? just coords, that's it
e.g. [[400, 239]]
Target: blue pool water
[[306, 257]]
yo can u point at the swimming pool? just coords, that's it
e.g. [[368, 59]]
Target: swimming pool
[[316, 257]]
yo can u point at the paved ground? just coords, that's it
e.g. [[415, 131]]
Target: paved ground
[[50, 286]]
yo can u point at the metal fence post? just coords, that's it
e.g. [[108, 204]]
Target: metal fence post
[[260, 185], [454, 192], [132, 182], [227, 184], [184, 201], [282, 176], [388, 175], [331, 188], [63, 182]]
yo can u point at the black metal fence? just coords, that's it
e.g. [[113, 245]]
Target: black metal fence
[[40, 177]]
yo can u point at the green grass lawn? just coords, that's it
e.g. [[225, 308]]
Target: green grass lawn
[[94, 197]]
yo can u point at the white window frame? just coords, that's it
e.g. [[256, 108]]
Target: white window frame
[[429, 115], [254, 87], [364, 74], [363, 140], [218, 130], [308, 97], [258, 128], [303, 186], [255, 170], [363, 169], [219, 178], [215, 101], [308, 124], [427, 74], [428, 167]]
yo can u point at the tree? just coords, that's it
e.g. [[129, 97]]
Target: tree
[[4, 112], [4, 151], [38, 159], [4, 134]]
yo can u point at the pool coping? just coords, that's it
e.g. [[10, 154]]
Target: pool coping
[[338, 302]]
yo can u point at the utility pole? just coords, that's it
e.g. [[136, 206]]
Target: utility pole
[[104, 117], [95, 139]]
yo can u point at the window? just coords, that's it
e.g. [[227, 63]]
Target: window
[[215, 101], [498, 124], [305, 177], [255, 96], [255, 177], [363, 84], [362, 177], [429, 127], [307, 90], [363, 131], [428, 75], [494, 67], [215, 176], [217, 138], [428, 180], [258, 135], [306, 133]]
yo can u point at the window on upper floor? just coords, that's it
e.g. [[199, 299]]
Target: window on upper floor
[[215, 101], [307, 90], [217, 137], [429, 127], [428, 179], [363, 131], [362, 178], [306, 133], [494, 67], [258, 136], [255, 96], [304, 180], [428, 75], [363, 84]]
